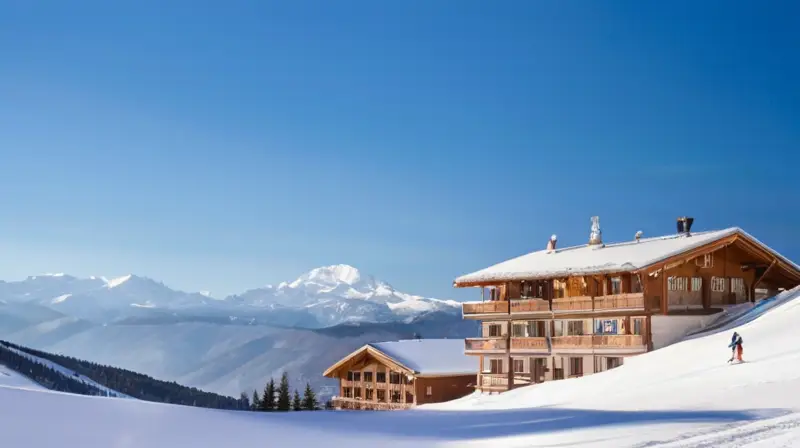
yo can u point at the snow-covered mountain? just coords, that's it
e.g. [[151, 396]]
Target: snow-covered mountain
[[322, 297], [340, 293]]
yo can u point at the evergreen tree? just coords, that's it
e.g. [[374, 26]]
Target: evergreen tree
[[309, 399], [297, 405], [284, 399], [244, 401], [256, 403], [268, 399]]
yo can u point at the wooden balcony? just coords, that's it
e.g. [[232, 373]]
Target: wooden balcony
[[362, 404], [573, 305], [485, 344], [571, 342], [481, 308], [528, 306], [630, 301], [494, 380], [530, 344], [618, 341]]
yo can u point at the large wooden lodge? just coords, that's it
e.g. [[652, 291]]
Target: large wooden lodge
[[562, 313], [402, 374]]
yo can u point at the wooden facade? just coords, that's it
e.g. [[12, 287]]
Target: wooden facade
[[548, 328], [372, 380]]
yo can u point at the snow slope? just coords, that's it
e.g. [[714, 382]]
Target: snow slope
[[684, 395], [67, 372], [10, 378]]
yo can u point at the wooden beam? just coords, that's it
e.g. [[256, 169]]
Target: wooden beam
[[761, 277]]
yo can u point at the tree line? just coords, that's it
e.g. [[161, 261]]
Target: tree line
[[278, 398], [130, 383]]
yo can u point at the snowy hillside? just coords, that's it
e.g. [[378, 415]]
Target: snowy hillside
[[67, 372], [685, 395]]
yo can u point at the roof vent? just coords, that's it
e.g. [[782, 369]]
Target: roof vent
[[638, 236], [551, 245], [685, 225], [595, 236]]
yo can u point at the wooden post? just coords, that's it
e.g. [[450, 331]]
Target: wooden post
[[664, 291], [480, 373]]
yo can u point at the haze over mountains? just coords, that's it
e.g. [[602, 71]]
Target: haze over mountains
[[226, 345]]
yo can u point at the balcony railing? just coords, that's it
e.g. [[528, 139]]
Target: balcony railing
[[485, 307], [530, 306], [618, 341], [534, 343], [583, 303], [620, 302], [560, 342], [357, 403], [498, 380], [485, 344]]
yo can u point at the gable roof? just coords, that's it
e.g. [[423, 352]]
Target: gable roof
[[615, 257], [430, 356], [421, 356]]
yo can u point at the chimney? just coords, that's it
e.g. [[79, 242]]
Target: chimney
[[595, 236], [685, 225], [551, 245], [638, 236]]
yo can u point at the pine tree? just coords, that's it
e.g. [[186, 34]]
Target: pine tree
[[244, 401], [309, 399], [297, 405], [284, 399], [268, 399], [256, 403]]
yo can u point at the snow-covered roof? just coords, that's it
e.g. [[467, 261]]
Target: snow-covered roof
[[614, 257], [430, 356]]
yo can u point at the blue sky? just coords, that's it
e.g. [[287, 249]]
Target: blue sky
[[225, 146]]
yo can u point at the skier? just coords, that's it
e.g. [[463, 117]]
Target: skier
[[736, 347]]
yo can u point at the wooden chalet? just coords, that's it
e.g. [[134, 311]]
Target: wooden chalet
[[402, 374], [560, 313]]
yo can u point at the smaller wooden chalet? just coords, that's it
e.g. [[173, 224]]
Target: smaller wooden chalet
[[402, 374]]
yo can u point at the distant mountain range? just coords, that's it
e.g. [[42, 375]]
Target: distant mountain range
[[227, 345], [322, 297]]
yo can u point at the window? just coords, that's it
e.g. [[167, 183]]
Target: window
[[677, 283], [495, 366], [606, 326], [369, 393], [697, 284], [429, 391], [737, 286], [394, 378], [638, 323], [536, 329], [367, 377], [356, 376], [396, 396], [348, 392], [575, 328], [576, 366], [357, 392], [616, 285], [380, 377], [520, 330], [381, 395], [519, 365], [350, 376], [718, 284], [613, 362], [495, 330], [559, 289], [706, 261]]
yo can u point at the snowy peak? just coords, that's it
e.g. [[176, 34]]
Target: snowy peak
[[332, 276], [113, 283]]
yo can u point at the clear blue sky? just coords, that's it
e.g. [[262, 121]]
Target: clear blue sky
[[225, 146]]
